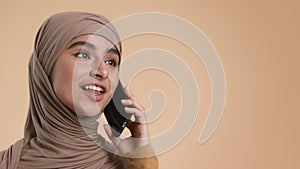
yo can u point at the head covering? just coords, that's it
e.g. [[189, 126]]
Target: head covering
[[53, 136]]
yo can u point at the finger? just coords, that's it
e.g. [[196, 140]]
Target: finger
[[108, 130], [139, 115], [129, 102], [134, 101], [129, 93]]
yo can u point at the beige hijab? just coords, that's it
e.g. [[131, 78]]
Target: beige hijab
[[54, 137]]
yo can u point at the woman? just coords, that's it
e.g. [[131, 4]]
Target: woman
[[73, 74]]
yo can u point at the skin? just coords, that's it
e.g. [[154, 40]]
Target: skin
[[92, 59], [82, 64]]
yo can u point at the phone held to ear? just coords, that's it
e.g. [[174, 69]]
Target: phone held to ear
[[114, 112]]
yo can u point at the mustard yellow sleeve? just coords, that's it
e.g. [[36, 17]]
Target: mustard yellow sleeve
[[132, 160]]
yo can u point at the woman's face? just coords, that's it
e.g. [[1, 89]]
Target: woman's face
[[85, 74]]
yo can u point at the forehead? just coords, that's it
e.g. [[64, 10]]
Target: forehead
[[99, 42]]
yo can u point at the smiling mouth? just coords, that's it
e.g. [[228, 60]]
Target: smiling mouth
[[93, 87], [94, 91]]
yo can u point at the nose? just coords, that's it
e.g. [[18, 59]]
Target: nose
[[99, 72]]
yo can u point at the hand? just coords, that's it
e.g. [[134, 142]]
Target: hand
[[138, 128]]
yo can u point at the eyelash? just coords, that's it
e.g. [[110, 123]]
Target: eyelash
[[85, 55], [113, 62]]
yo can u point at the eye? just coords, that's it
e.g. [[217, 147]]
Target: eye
[[83, 54], [111, 62]]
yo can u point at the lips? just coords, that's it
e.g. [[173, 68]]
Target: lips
[[94, 91]]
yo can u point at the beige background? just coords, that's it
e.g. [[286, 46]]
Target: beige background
[[258, 43]]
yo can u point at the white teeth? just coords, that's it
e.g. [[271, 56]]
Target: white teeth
[[93, 87]]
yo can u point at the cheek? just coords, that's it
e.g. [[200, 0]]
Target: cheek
[[62, 83], [115, 80]]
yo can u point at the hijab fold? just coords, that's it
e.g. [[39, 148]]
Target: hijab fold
[[53, 135]]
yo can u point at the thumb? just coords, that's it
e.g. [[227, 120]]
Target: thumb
[[108, 130]]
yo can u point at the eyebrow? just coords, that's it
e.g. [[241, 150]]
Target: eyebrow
[[82, 43], [92, 46], [113, 51]]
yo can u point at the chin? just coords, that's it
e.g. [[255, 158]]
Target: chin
[[88, 110], [86, 107]]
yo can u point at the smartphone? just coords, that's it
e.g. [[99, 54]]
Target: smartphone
[[114, 112]]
